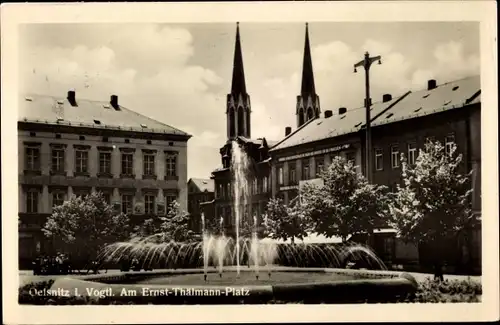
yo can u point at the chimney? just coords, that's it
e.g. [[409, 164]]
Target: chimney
[[114, 102], [386, 98], [328, 114], [72, 98], [342, 110], [431, 84], [288, 130]]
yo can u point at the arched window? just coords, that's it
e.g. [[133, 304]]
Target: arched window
[[248, 124], [301, 116], [232, 124], [241, 121], [310, 114]]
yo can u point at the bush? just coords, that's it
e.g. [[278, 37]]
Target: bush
[[448, 291]]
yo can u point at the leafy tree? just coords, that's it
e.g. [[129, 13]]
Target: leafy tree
[[284, 222], [346, 203], [175, 225], [432, 205], [84, 225], [147, 228]]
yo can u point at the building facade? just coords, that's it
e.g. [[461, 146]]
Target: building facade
[[199, 191], [70, 146], [449, 113]]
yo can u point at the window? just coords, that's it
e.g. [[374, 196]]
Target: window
[[395, 156], [171, 165], [219, 191], [127, 164], [149, 164], [82, 160], [351, 157], [449, 141], [57, 165], [228, 190], [412, 153], [320, 163], [32, 158], [107, 197], [379, 159], [255, 186], [57, 198], [149, 204], [104, 162], [281, 178], [305, 169], [127, 203], [169, 199], [292, 177], [32, 201], [265, 184]]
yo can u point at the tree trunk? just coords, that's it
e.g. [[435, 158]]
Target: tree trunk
[[438, 259]]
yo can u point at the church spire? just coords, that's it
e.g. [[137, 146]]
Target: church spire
[[307, 102], [307, 69], [238, 83], [238, 101]]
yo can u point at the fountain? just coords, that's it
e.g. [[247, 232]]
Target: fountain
[[299, 270]]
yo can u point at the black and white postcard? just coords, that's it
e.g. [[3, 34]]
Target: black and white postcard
[[192, 162]]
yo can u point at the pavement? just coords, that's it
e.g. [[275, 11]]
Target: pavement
[[26, 276]]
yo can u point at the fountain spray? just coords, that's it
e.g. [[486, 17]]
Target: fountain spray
[[239, 165], [255, 247], [205, 246]]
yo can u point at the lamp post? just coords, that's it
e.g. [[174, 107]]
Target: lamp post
[[366, 63]]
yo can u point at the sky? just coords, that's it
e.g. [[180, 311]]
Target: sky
[[180, 74]]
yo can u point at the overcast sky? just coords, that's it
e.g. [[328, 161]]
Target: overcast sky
[[180, 74]]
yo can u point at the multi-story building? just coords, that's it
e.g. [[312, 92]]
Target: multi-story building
[[199, 191], [74, 146]]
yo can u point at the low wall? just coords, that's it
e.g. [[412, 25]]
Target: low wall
[[368, 286]]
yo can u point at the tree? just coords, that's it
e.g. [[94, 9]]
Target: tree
[[346, 203], [284, 222], [175, 225], [147, 228], [172, 227], [85, 225], [432, 206]]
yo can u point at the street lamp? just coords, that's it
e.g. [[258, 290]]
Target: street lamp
[[366, 63]]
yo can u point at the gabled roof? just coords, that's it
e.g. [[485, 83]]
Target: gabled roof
[[204, 185], [89, 113], [322, 128], [444, 97]]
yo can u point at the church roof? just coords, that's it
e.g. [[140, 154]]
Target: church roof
[[308, 86], [447, 96], [238, 85], [204, 185], [89, 113]]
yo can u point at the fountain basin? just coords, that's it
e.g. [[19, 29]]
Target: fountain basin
[[306, 285]]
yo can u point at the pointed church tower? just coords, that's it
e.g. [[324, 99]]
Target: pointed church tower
[[307, 102], [238, 101]]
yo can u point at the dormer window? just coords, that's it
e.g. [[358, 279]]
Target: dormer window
[[97, 122]]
